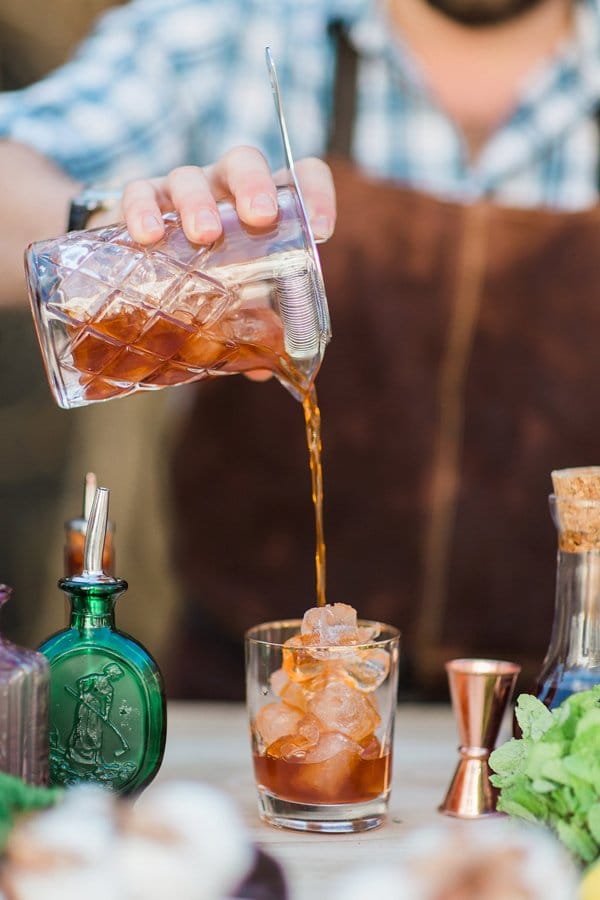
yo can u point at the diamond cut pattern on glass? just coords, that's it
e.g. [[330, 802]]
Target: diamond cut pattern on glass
[[131, 365], [153, 277], [104, 389], [175, 245], [80, 295], [198, 299], [121, 318], [114, 317], [203, 351], [74, 251], [163, 335], [91, 351], [111, 261]]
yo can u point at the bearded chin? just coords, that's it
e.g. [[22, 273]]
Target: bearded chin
[[482, 12]]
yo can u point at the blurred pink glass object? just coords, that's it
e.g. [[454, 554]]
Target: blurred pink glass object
[[24, 699], [322, 722]]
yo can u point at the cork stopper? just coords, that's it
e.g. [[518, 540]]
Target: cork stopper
[[576, 506]]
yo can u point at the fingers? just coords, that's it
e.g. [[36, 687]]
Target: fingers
[[243, 173], [142, 211], [185, 189], [316, 181], [191, 196]]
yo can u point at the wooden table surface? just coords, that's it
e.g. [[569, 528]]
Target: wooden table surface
[[209, 742]]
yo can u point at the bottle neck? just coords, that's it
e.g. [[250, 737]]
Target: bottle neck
[[92, 605], [576, 631]]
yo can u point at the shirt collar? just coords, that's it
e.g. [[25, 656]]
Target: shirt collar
[[372, 35], [554, 98]]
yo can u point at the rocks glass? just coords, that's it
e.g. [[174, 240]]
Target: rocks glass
[[321, 722]]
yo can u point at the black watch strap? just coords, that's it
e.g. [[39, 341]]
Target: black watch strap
[[89, 201]]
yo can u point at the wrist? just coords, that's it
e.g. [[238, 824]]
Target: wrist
[[93, 207]]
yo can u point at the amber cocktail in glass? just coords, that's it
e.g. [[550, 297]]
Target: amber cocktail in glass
[[321, 721]]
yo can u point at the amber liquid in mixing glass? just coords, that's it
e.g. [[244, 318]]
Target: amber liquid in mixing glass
[[122, 351]]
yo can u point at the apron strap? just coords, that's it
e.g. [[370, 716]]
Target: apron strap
[[344, 93]]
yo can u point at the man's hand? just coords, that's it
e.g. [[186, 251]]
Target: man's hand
[[36, 196], [243, 176]]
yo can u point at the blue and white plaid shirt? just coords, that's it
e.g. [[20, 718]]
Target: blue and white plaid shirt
[[162, 83]]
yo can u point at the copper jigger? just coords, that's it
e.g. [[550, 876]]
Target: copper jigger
[[481, 690]]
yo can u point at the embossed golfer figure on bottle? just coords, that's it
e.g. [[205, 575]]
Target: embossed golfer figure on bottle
[[95, 695], [107, 706]]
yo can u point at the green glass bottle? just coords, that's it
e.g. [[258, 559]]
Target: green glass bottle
[[107, 699]]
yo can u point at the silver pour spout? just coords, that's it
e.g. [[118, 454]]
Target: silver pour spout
[[89, 493], [96, 534], [300, 292]]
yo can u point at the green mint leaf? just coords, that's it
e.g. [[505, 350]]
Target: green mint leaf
[[577, 840], [552, 774], [542, 786], [571, 800], [583, 700], [521, 795], [586, 795], [509, 760], [17, 797], [560, 808], [512, 808], [588, 722], [555, 770], [593, 821], [540, 755], [533, 717], [583, 767]]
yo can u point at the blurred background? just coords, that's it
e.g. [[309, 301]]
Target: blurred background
[[45, 451]]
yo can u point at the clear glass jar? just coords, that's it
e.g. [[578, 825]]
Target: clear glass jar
[[572, 662]]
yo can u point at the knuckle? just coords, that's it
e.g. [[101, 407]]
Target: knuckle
[[243, 150], [193, 203], [186, 172], [138, 184], [317, 167], [135, 190], [188, 182], [245, 159]]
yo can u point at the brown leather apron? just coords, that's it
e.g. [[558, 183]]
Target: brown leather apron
[[464, 367]]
